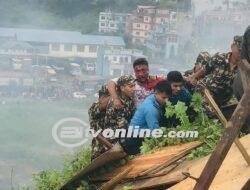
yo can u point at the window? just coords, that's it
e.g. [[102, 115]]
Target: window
[[80, 48], [102, 24], [146, 19], [138, 25], [92, 48], [137, 41], [102, 17], [114, 58], [112, 25], [126, 59], [137, 33], [55, 47], [67, 47]]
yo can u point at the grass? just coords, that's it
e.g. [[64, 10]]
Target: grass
[[26, 143]]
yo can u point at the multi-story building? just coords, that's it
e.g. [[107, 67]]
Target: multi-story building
[[57, 43], [117, 62], [145, 19], [162, 44], [112, 22]]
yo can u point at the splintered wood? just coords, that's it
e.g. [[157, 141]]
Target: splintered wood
[[233, 173], [155, 160]]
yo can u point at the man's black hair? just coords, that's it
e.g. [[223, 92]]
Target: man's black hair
[[164, 86], [175, 76], [140, 61]]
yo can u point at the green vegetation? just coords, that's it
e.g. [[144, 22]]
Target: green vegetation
[[209, 130], [81, 15], [54, 179]]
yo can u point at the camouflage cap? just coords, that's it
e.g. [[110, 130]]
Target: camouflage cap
[[104, 91], [125, 80], [238, 40], [203, 59]]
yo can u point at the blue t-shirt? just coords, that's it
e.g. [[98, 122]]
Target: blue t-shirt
[[183, 96], [148, 114]]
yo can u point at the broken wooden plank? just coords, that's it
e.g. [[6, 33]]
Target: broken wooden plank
[[162, 172], [232, 175], [144, 162], [246, 186], [224, 122], [104, 141], [110, 184], [115, 153], [231, 132], [168, 162], [154, 183]]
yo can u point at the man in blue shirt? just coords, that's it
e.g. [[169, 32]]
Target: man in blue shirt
[[179, 92], [148, 115]]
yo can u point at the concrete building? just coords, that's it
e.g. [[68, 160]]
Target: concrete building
[[13, 47], [61, 43], [112, 22], [145, 19], [117, 62], [162, 44]]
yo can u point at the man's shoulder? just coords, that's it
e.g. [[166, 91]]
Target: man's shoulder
[[148, 101], [94, 110], [156, 78], [220, 58], [94, 107], [153, 80]]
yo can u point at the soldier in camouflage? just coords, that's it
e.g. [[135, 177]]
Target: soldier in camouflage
[[221, 73], [120, 118], [97, 114], [201, 66]]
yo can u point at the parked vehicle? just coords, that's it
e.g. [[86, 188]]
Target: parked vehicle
[[79, 95]]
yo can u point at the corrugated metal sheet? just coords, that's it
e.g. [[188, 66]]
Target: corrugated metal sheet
[[55, 36]]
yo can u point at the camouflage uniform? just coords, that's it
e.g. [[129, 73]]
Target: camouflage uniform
[[120, 119], [220, 79], [203, 60], [96, 119]]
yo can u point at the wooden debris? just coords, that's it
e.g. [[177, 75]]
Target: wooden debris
[[231, 132], [115, 153], [232, 175], [155, 160], [224, 122], [110, 184], [162, 172], [154, 183], [166, 163], [246, 186]]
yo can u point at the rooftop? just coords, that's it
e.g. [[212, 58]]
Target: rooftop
[[56, 36]]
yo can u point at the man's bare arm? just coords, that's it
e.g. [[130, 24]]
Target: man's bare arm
[[113, 94]]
